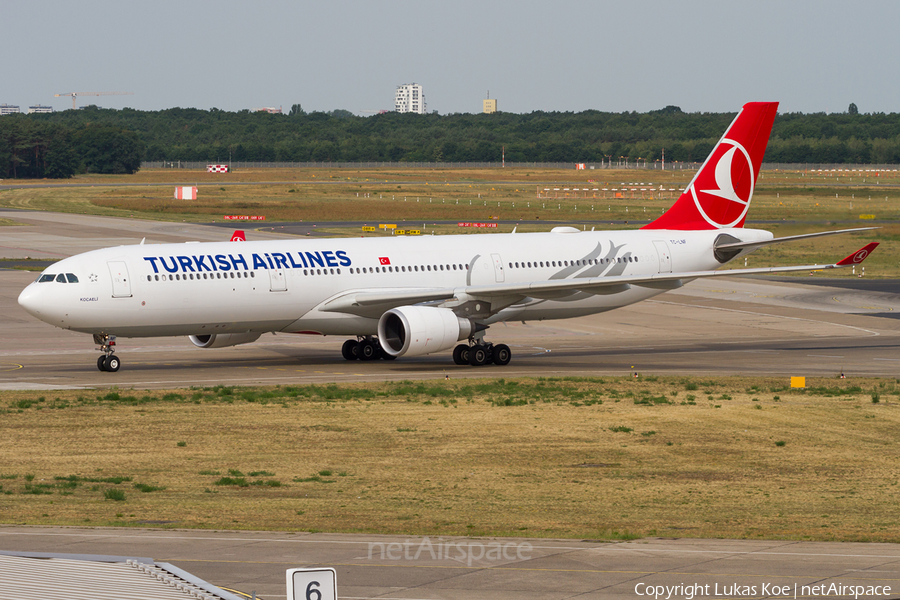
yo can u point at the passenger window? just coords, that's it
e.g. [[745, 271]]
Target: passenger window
[[149, 278]]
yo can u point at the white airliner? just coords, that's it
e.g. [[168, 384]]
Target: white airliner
[[410, 296]]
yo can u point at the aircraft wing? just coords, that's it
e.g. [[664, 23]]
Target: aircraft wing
[[372, 303]]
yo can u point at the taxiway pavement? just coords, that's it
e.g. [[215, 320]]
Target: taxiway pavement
[[411, 567], [727, 326]]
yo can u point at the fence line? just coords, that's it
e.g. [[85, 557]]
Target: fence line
[[640, 166]]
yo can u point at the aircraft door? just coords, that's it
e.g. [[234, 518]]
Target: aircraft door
[[499, 276], [277, 280], [121, 282], [665, 257]]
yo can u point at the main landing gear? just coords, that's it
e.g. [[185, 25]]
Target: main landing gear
[[478, 354], [107, 361], [367, 348], [482, 354]]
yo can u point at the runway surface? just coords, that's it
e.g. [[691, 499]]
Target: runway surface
[[726, 326], [400, 567]]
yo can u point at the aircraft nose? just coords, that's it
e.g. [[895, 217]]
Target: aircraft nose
[[30, 300]]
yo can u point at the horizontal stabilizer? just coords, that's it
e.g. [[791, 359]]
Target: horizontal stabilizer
[[790, 238]]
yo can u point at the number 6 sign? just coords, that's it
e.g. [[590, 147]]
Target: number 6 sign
[[311, 584]]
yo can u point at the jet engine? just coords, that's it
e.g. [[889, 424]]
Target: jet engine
[[223, 340], [418, 330]]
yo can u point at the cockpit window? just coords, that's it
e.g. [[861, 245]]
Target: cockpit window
[[71, 277], [61, 278], [46, 277]]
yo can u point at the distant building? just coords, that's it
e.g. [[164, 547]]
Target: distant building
[[40, 108], [269, 109], [8, 109], [490, 105], [410, 99]]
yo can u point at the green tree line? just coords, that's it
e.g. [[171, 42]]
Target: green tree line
[[116, 141]]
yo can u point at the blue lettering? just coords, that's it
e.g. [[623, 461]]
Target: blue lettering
[[280, 260], [201, 262], [329, 258], [212, 262], [223, 262], [269, 258], [293, 264], [315, 259], [185, 263], [236, 261], [258, 262], [152, 260], [166, 267], [302, 259], [345, 260]]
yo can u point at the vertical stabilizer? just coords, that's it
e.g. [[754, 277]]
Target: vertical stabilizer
[[720, 193]]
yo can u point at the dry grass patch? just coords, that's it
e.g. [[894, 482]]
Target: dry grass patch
[[722, 457]]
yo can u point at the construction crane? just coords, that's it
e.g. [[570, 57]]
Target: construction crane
[[76, 94]]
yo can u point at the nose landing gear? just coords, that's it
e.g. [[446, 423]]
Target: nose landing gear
[[107, 361]]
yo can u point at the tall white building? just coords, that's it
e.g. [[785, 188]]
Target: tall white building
[[39, 108], [8, 109], [410, 98]]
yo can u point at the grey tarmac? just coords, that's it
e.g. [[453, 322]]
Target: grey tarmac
[[733, 326], [411, 567]]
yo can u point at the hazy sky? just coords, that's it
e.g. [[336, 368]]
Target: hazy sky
[[560, 55]]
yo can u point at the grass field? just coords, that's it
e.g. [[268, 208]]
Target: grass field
[[611, 458], [788, 202]]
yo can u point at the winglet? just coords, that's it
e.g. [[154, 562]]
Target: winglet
[[858, 256]]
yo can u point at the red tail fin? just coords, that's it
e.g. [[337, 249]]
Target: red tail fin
[[238, 236], [720, 193]]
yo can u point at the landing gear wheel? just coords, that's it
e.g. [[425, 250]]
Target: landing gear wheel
[[387, 356], [461, 355], [101, 362], [111, 363], [367, 350], [502, 355], [478, 356], [348, 350]]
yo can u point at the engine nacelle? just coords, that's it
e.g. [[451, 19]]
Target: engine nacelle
[[418, 330], [223, 340]]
